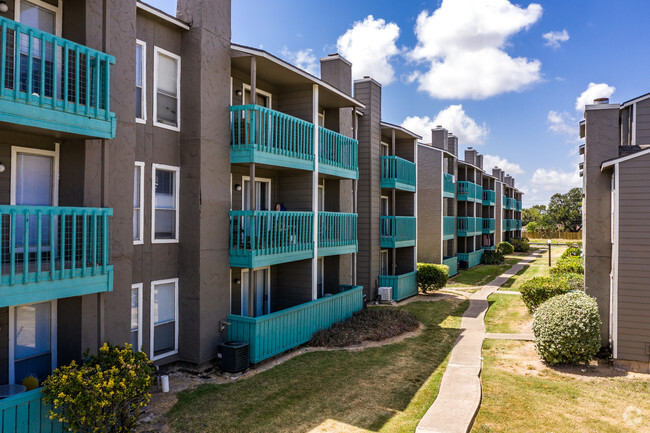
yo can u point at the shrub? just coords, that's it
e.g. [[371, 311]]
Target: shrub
[[571, 252], [569, 265], [567, 329], [490, 257], [432, 276], [505, 248], [575, 281], [532, 226], [372, 324], [537, 290], [520, 245], [104, 394]]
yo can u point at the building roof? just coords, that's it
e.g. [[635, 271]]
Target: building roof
[[285, 74], [635, 100], [430, 146], [162, 15], [611, 162], [400, 132]]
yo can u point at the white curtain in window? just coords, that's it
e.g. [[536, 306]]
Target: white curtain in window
[[167, 73], [32, 330], [164, 303]]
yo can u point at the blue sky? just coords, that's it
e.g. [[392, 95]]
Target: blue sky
[[517, 87]]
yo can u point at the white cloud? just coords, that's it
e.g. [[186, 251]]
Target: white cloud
[[452, 118], [304, 59], [563, 123], [554, 39], [593, 91], [491, 161], [463, 43], [555, 181], [369, 45]]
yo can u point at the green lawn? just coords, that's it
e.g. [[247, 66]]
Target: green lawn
[[522, 395], [506, 314], [537, 268], [482, 274], [386, 388]]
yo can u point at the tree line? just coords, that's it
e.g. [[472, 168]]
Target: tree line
[[563, 213]]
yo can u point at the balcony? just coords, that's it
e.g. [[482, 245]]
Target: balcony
[[448, 188], [68, 91], [518, 206], [26, 412], [53, 252], [468, 191], [404, 286], [397, 173], [469, 226], [469, 260], [489, 197], [448, 228], [282, 330], [265, 238], [489, 225], [452, 263], [509, 203], [397, 231], [264, 136], [511, 225]]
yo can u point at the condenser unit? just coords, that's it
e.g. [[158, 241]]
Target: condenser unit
[[385, 294]]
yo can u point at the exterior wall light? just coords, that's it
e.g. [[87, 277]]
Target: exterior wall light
[[2, 166], [237, 187], [3, 8]]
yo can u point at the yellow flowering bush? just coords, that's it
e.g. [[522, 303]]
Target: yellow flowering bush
[[103, 395]]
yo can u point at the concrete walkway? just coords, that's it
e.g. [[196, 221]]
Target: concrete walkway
[[459, 396], [508, 292], [495, 336]]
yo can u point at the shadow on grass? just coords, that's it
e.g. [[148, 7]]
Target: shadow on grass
[[512, 279], [368, 389]]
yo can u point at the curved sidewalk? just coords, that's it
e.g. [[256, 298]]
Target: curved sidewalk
[[459, 397]]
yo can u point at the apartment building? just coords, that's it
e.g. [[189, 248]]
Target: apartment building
[[462, 209], [615, 239], [387, 199]]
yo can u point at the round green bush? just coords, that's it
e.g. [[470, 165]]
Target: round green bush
[[505, 248], [432, 276], [576, 281], [536, 291], [490, 257], [569, 265], [520, 245], [567, 329], [571, 252]]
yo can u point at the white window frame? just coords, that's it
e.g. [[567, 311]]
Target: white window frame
[[385, 148], [140, 241], [381, 256], [12, 342], [15, 150], [139, 286], [143, 119], [321, 119], [257, 179], [320, 263], [321, 202], [177, 170], [246, 87], [58, 13], [241, 288], [151, 315], [156, 52]]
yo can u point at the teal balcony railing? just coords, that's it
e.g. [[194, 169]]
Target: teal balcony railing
[[282, 330], [509, 203], [448, 187], [398, 173], [337, 233], [266, 136], [404, 286], [51, 252], [468, 191], [469, 260], [489, 225], [511, 224], [51, 83], [337, 154], [264, 238], [397, 231], [518, 206], [489, 197], [452, 262], [448, 228], [26, 412], [468, 226]]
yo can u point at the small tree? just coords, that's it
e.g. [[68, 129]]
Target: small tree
[[103, 395], [505, 248], [432, 276]]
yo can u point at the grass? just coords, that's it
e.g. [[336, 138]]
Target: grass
[[537, 268], [522, 395], [506, 314], [386, 388], [482, 274]]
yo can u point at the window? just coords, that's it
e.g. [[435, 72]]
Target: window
[[384, 149], [320, 287], [138, 199], [167, 85], [140, 81], [165, 183], [262, 98], [384, 263], [136, 316], [164, 318], [32, 347]]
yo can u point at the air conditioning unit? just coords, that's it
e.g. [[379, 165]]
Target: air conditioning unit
[[233, 355], [385, 294]]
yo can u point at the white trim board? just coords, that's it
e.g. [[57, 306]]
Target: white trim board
[[140, 288], [140, 241], [616, 161], [160, 14]]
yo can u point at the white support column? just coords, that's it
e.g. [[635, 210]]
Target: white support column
[[314, 195]]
